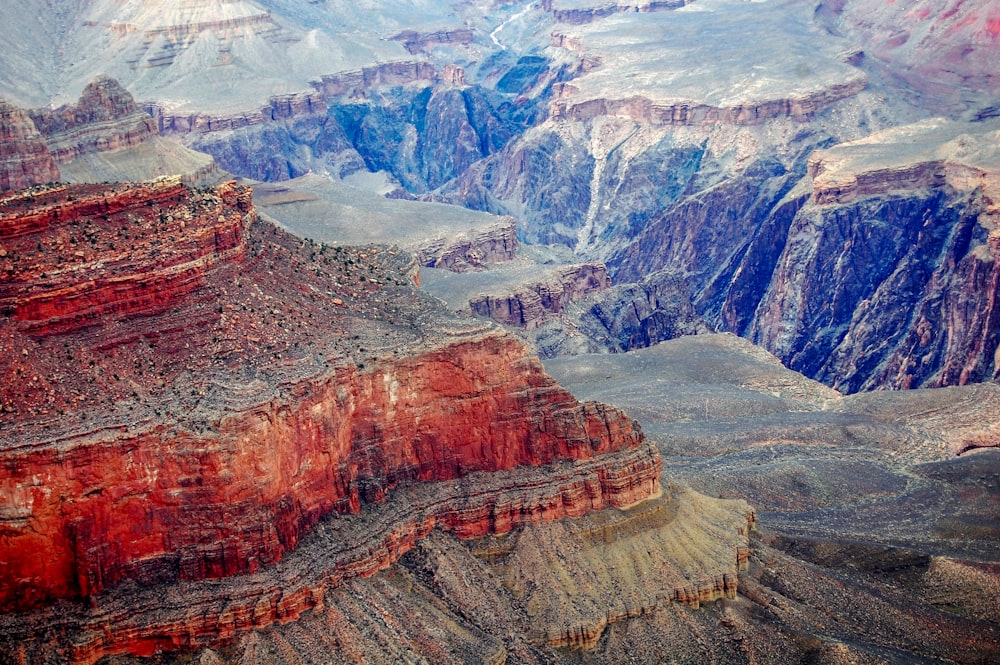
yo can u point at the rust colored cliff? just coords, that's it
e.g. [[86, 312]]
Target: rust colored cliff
[[187, 391]]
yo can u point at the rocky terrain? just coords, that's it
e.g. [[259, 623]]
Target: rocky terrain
[[103, 137], [192, 397], [438, 236], [240, 432], [874, 542]]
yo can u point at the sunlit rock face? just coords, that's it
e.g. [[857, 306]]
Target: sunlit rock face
[[189, 392]]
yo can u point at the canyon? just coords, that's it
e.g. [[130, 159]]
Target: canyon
[[207, 432], [327, 331]]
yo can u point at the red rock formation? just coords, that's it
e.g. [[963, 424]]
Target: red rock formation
[[246, 385], [74, 255], [25, 159], [528, 305]]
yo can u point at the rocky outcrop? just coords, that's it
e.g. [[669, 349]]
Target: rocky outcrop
[[578, 15], [912, 296], [639, 315], [616, 566], [25, 159], [103, 137], [421, 42], [470, 251], [104, 119], [279, 108], [693, 114], [212, 612], [931, 154], [205, 436], [528, 305], [165, 35], [75, 256], [356, 83]]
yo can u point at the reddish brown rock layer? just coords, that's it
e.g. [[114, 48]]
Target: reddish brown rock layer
[[205, 436], [212, 612], [166, 504], [76, 255]]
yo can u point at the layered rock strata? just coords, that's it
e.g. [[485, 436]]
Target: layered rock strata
[[278, 108], [470, 251], [578, 13], [390, 73], [231, 388], [167, 32], [931, 154], [690, 113], [104, 119], [212, 612], [652, 68], [923, 199], [25, 159], [103, 137], [577, 578], [74, 256], [528, 304], [420, 42]]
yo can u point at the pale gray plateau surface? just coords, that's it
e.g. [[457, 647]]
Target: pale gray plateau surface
[[865, 489]]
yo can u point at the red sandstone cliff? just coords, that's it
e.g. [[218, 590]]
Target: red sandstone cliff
[[191, 391]]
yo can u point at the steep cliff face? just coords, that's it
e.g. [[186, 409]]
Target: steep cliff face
[[428, 136], [279, 107], [470, 251], [103, 137], [25, 159], [820, 254], [529, 304], [105, 118], [899, 243], [234, 387]]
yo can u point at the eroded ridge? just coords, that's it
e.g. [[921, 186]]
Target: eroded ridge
[[198, 430]]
